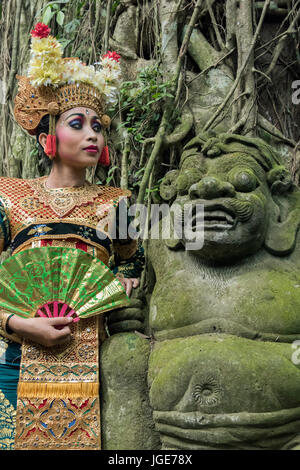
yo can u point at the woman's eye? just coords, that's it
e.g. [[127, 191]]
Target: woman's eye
[[76, 124], [97, 127]]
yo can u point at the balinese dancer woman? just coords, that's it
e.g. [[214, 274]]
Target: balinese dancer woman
[[49, 375]]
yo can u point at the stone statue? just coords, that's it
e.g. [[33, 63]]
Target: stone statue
[[224, 319]]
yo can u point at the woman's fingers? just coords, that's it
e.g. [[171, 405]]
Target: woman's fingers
[[53, 331], [128, 286], [60, 323], [45, 331], [129, 283], [62, 331]]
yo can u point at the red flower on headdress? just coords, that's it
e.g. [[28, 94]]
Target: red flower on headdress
[[112, 55], [41, 31]]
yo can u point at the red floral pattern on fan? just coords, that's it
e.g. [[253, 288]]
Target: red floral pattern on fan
[[57, 309], [41, 31]]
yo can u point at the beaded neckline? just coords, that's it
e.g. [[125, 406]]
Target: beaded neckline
[[66, 188], [63, 200]]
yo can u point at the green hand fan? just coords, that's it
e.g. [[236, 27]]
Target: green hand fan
[[55, 281]]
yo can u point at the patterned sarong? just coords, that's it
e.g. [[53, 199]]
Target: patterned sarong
[[58, 404]]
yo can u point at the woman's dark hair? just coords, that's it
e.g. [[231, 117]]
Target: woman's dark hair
[[43, 127]]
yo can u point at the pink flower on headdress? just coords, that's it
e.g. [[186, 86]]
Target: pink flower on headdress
[[112, 55], [41, 31]]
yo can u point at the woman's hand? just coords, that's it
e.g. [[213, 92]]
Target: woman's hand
[[129, 283], [42, 330]]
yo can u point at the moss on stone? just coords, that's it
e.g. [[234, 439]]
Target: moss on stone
[[125, 403], [222, 374]]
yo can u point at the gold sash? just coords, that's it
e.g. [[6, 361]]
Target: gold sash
[[58, 405]]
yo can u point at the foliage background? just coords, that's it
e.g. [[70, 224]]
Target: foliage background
[[188, 66]]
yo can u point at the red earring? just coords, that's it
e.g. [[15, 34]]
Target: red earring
[[50, 148], [104, 159]]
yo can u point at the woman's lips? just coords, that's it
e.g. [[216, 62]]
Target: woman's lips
[[91, 149]]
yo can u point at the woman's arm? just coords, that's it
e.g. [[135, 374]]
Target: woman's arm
[[128, 263], [45, 331], [128, 254]]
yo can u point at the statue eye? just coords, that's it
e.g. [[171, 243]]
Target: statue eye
[[244, 180]]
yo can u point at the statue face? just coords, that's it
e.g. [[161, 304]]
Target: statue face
[[236, 200]]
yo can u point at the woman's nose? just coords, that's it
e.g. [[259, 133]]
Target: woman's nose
[[210, 188], [92, 134]]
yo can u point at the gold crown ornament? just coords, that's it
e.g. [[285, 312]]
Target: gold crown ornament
[[55, 84]]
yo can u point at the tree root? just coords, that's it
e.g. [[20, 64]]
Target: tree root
[[220, 108], [160, 136]]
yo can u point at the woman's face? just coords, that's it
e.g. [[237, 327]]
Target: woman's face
[[79, 138]]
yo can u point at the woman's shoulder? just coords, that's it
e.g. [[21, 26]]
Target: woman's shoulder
[[112, 192], [14, 189], [8, 184]]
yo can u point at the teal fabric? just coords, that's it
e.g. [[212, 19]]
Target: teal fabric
[[10, 357], [4, 227], [9, 369]]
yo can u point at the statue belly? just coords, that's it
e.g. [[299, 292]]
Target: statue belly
[[211, 390], [257, 305]]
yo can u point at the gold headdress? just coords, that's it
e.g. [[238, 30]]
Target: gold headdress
[[56, 84]]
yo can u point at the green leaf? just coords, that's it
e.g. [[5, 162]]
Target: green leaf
[[72, 26], [47, 16], [139, 171], [64, 42], [115, 5], [111, 170], [60, 18]]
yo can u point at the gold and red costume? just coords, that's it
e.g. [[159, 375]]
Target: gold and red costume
[[58, 388]]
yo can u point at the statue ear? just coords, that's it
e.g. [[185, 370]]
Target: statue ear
[[168, 192], [284, 222], [174, 242]]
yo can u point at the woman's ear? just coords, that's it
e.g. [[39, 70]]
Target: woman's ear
[[43, 139]]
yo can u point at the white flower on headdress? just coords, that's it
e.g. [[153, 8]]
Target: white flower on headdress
[[46, 64], [47, 67]]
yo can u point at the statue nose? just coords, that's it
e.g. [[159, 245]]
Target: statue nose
[[211, 188]]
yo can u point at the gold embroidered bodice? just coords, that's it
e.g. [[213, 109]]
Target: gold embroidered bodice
[[32, 215], [34, 212]]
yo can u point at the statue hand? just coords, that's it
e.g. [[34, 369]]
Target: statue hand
[[129, 318]]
